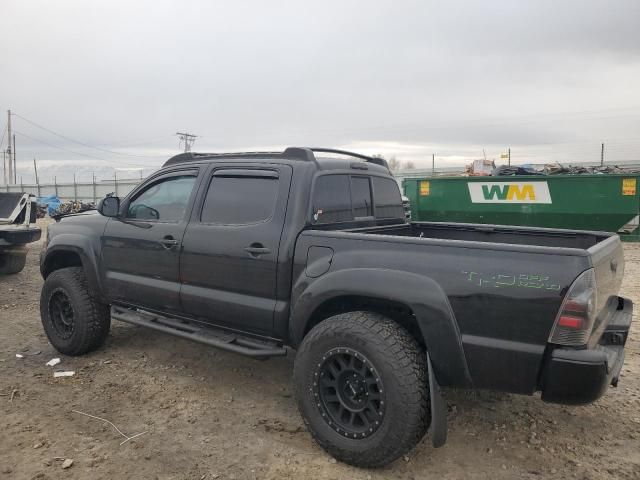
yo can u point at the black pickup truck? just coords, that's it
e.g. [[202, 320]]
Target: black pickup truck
[[309, 249]]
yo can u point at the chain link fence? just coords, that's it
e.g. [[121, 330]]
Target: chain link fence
[[77, 191]]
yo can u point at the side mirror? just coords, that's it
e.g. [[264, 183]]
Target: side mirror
[[109, 206]]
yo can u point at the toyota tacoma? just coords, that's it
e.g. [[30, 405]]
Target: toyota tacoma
[[309, 250]]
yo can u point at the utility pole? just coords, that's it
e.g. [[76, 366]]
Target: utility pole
[[15, 174], [93, 184], [433, 164], [188, 139], [35, 169], [9, 148], [602, 155], [509, 156]]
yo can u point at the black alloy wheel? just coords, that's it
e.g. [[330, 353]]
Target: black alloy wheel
[[61, 313], [350, 393]]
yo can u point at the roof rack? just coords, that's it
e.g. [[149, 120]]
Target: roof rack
[[195, 156], [306, 154], [378, 161]]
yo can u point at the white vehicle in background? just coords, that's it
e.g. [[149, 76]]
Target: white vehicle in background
[[406, 205], [17, 229]]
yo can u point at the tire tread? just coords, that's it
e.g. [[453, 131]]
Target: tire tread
[[95, 315], [405, 357]]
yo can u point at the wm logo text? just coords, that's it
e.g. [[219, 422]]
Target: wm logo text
[[509, 192]]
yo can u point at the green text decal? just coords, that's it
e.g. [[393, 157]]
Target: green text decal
[[517, 280]]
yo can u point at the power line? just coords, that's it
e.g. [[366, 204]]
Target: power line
[[39, 140], [135, 143], [78, 141]]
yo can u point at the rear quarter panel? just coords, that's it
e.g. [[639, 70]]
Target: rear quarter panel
[[504, 298]]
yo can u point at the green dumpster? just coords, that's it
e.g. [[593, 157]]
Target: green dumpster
[[605, 202]]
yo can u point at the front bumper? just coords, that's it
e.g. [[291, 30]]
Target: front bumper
[[582, 376]]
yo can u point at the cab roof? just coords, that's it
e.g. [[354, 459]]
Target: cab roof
[[337, 159]]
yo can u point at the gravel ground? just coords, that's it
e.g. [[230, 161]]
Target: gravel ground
[[208, 414]]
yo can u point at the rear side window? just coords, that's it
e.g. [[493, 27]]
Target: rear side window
[[387, 198], [332, 200], [361, 197], [240, 200]]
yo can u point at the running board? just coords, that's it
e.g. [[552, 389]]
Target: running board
[[213, 337]]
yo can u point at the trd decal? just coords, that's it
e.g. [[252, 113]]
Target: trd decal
[[515, 280]]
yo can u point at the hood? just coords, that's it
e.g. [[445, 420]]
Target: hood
[[86, 223]]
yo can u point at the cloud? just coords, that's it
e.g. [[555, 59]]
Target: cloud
[[454, 75]]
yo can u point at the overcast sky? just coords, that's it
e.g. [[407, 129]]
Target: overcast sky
[[550, 79]]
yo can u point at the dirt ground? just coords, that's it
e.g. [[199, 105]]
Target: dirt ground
[[208, 414]]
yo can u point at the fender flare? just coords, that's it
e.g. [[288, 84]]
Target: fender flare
[[422, 294], [79, 245]]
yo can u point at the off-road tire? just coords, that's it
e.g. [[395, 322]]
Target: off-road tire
[[91, 319], [12, 262], [402, 367]]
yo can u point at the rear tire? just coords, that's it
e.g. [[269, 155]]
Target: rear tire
[[74, 321], [362, 388], [12, 262]]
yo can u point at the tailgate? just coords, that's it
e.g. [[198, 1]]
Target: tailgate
[[607, 258], [11, 204]]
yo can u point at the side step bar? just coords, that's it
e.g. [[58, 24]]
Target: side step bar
[[213, 337]]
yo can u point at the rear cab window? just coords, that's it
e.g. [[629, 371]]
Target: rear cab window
[[361, 197], [388, 200], [344, 198], [332, 199]]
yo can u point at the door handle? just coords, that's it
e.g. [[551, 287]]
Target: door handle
[[168, 242], [256, 249]]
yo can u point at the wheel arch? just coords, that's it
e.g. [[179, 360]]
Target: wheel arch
[[57, 257], [416, 302], [399, 312]]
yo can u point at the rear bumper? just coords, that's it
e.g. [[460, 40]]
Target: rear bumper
[[19, 236], [582, 376]]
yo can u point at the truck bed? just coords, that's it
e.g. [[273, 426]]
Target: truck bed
[[543, 237]]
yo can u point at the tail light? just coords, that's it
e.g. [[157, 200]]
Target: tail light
[[578, 312]]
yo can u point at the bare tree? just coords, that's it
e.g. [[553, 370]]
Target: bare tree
[[409, 165], [394, 163]]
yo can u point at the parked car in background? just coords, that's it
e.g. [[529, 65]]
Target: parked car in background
[[17, 229]]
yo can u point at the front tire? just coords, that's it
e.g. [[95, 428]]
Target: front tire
[[362, 388], [74, 321]]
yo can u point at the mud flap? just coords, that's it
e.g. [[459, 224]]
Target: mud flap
[[438, 427]]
